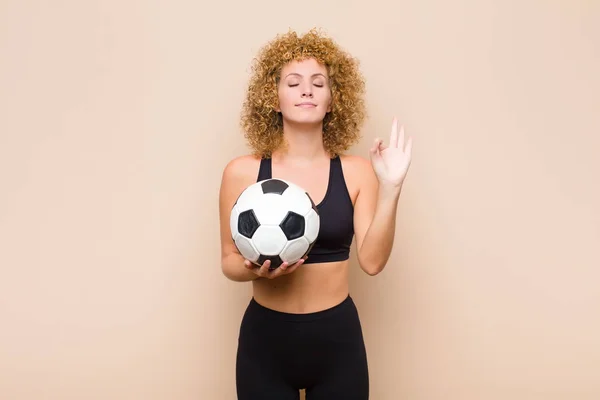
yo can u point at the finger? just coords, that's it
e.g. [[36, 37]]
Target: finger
[[294, 267], [281, 270], [375, 146], [248, 264], [408, 149], [394, 134], [401, 137], [264, 269]]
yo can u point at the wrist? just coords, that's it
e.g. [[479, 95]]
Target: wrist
[[389, 190], [233, 268]]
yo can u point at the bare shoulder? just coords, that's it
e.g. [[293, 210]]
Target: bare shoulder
[[356, 164], [241, 169], [357, 169], [238, 174]]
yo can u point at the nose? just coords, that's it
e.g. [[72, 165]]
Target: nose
[[307, 92]]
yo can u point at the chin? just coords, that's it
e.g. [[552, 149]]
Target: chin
[[306, 123], [314, 119]]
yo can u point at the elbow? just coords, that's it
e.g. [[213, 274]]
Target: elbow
[[225, 272], [373, 271], [231, 269], [373, 261], [230, 275], [226, 269], [372, 268]]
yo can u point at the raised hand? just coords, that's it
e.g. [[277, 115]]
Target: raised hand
[[391, 162]]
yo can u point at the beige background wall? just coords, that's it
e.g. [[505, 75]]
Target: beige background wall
[[117, 117]]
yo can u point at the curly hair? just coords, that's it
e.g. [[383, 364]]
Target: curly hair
[[263, 125]]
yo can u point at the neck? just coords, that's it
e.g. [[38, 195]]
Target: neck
[[302, 143]]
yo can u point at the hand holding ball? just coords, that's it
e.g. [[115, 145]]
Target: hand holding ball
[[274, 220]]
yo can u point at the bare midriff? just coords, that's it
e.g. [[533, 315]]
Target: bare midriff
[[310, 288]]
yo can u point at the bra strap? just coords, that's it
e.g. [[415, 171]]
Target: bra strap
[[264, 171], [336, 166]]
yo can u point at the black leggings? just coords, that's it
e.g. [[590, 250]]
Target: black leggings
[[322, 352]]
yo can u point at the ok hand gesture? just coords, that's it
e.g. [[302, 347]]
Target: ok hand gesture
[[391, 162]]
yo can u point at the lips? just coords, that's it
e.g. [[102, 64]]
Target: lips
[[306, 104]]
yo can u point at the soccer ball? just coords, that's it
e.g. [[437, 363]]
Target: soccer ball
[[275, 220]]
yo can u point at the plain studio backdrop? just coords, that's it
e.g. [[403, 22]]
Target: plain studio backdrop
[[117, 118]]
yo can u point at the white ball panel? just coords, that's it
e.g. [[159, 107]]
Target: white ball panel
[[233, 222], [296, 200], [269, 240], [271, 209], [249, 197], [246, 248], [294, 250], [313, 223]]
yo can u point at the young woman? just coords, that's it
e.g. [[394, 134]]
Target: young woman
[[301, 330]]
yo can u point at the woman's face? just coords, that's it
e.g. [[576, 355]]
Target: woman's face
[[304, 92]]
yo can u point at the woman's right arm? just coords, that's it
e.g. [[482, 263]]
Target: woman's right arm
[[236, 177]]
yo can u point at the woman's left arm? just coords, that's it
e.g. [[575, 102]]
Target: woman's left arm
[[376, 205]]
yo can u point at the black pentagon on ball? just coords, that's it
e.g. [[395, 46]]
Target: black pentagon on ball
[[292, 225], [247, 223], [274, 186], [276, 261]]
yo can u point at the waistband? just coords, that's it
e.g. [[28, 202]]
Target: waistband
[[254, 306]]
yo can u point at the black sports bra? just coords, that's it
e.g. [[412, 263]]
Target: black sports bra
[[336, 213]]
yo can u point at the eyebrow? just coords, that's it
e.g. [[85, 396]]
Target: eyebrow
[[313, 75]]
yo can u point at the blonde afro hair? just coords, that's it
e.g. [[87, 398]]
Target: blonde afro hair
[[262, 124]]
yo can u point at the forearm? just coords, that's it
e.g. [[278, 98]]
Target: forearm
[[233, 268], [379, 238]]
